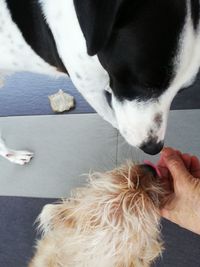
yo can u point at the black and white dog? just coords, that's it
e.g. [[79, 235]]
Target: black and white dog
[[128, 58]]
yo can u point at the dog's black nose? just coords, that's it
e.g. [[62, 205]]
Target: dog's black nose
[[151, 147]]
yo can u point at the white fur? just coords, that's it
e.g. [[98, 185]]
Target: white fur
[[113, 221], [16, 54], [134, 119], [15, 156], [71, 46]]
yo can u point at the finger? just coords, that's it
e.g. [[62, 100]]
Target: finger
[[175, 165], [192, 163], [187, 160], [195, 167], [164, 172], [178, 152], [161, 161]]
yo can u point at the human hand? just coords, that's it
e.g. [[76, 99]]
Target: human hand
[[182, 173]]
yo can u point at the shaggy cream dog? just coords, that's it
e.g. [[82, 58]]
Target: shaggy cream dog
[[114, 221]]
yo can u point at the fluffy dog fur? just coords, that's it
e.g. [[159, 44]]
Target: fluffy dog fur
[[112, 222]]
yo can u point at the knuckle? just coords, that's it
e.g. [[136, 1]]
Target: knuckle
[[173, 163]]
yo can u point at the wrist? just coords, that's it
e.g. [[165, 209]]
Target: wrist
[[193, 223]]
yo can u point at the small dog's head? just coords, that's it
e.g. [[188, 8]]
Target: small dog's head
[[140, 45], [113, 221]]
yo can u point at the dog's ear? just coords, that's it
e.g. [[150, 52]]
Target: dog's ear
[[96, 19]]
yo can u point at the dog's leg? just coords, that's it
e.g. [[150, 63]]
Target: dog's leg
[[16, 156]]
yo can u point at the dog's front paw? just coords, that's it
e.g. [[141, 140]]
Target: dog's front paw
[[19, 157]]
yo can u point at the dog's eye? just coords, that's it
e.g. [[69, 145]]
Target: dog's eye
[[109, 98]]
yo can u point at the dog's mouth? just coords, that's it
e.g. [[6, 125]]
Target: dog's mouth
[[162, 194], [152, 168]]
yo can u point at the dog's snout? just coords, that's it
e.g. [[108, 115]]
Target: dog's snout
[[150, 169], [151, 147]]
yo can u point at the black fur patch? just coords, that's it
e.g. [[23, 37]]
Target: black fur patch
[[96, 18], [140, 52], [136, 42], [195, 10], [27, 14]]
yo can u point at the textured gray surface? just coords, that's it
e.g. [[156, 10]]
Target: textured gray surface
[[182, 247], [27, 94], [67, 146], [17, 232], [183, 133], [17, 229]]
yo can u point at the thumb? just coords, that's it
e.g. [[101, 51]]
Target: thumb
[[175, 165]]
